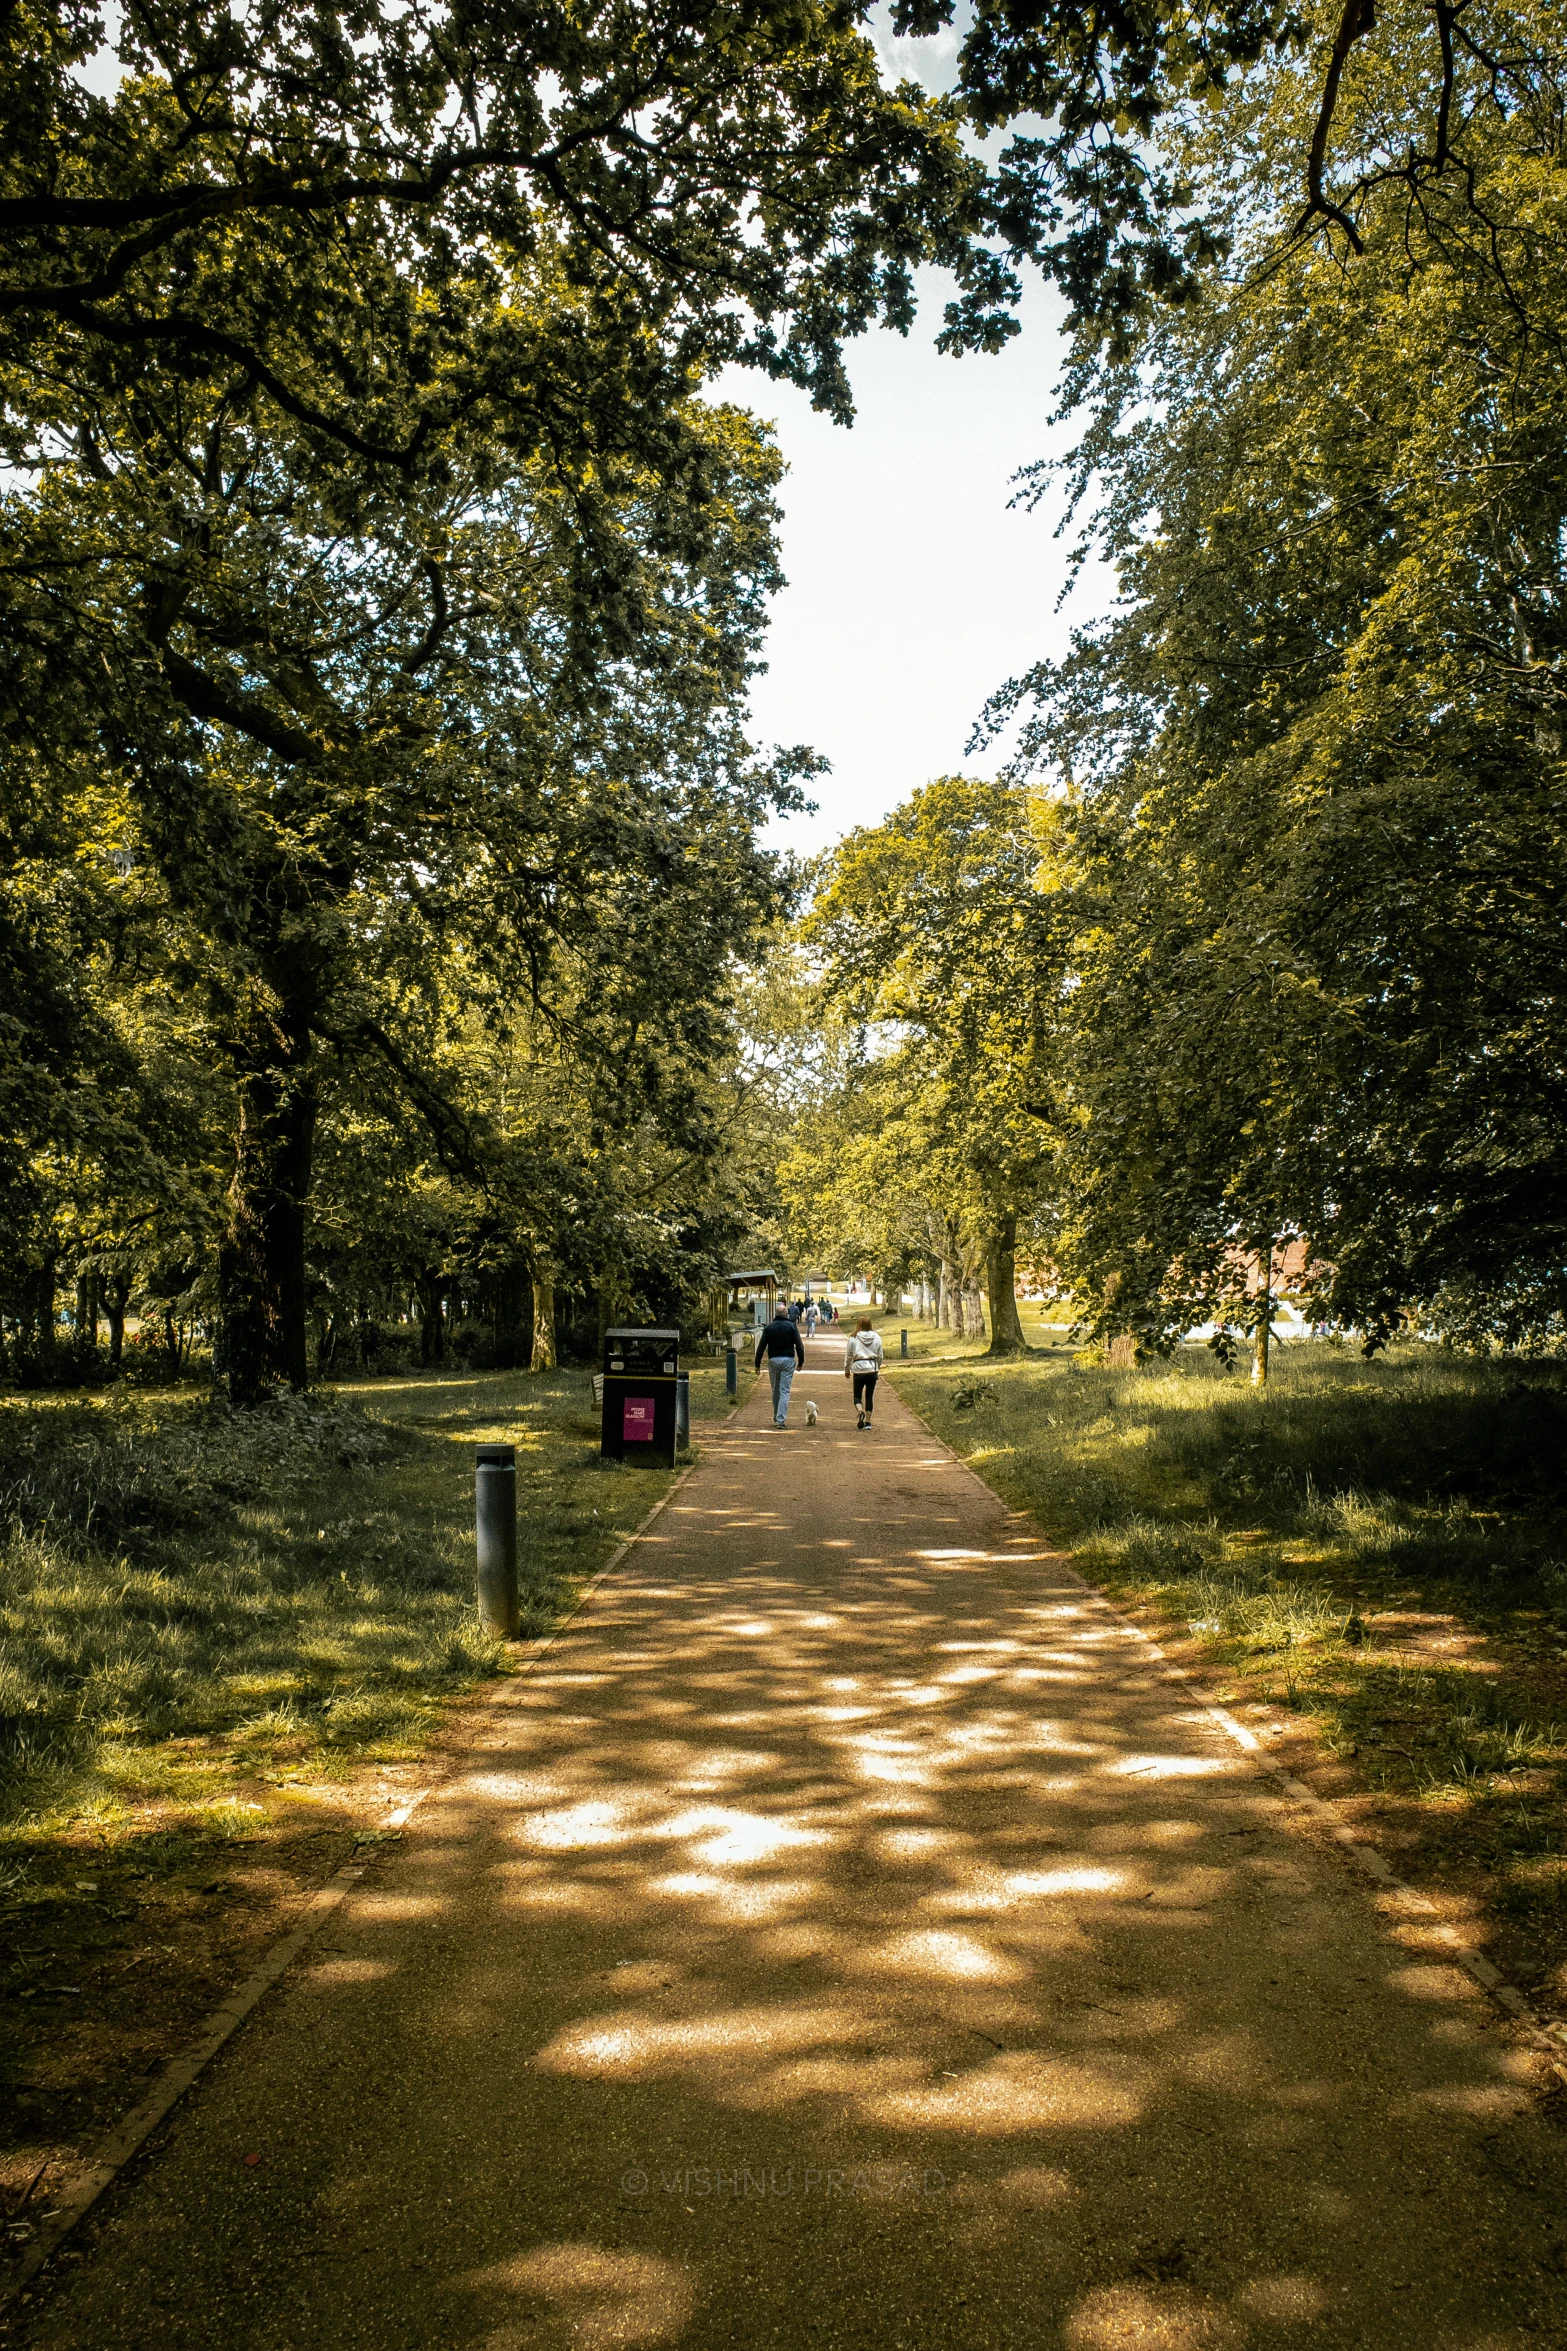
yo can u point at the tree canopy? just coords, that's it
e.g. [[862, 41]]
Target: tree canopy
[[1155, 147], [379, 595], [380, 592], [332, 207], [1312, 763]]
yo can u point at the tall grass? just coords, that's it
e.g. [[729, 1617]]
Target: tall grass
[[1445, 1466], [169, 1571]]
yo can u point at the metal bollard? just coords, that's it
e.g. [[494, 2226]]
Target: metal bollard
[[682, 1411], [495, 1522], [903, 1342], [731, 1372]]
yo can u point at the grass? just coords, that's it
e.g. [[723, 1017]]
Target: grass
[[1374, 1552], [191, 1596], [225, 1640]]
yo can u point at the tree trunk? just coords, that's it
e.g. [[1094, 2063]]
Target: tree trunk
[[36, 1320], [976, 1311], [432, 1330], [1264, 1330], [949, 1275], [116, 1298], [1006, 1330], [507, 1293], [1120, 1351], [952, 1281], [543, 1323], [261, 1254]]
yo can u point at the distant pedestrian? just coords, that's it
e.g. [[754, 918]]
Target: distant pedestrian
[[861, 1364], [796, 1309], [783, 1348], [810, 1318]]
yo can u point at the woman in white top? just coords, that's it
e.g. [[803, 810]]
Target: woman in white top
[[861, 1363]]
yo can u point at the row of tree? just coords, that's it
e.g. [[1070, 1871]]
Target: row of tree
[[378, 594], [1262, 944]]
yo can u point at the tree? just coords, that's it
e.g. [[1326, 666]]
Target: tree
[[857, 1180], [578, 1197], [325, 212], [102, 1119], [929, 932], [402, 734], [1314, 761]]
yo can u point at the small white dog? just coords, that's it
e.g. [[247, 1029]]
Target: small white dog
[[810, 1412]]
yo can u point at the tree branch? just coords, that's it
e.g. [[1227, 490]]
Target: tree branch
[[1359, 16], [205, 697], [194, 334], [440, 620], [454, 1138]]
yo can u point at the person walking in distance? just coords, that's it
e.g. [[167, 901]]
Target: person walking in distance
[[783, 1348], [861, 1363], [810, 1318]]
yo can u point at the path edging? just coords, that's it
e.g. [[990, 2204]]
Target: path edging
[[89, 2180], [1550, 2040]]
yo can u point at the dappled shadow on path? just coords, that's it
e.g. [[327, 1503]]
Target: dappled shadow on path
[[850, 1935], [874, 1866]]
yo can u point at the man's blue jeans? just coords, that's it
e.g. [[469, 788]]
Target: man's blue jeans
[[780, 1370]]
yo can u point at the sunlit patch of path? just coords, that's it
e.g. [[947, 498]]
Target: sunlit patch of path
[[850, 1938]]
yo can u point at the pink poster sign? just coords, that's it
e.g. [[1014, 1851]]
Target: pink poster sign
[[637, 1426]]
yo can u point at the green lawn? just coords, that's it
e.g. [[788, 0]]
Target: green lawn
[[192, 1599]]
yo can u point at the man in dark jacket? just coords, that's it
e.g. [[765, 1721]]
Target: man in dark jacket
[[783, 1348]]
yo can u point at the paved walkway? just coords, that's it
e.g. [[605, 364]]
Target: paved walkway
[[850, 1940]]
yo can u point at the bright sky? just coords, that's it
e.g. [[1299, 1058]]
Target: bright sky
[[914, 588], [914, 592]]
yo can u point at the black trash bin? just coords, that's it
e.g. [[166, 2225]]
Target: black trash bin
[[640, 1370]]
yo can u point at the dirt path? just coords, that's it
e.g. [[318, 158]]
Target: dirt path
[[850, 1939]]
